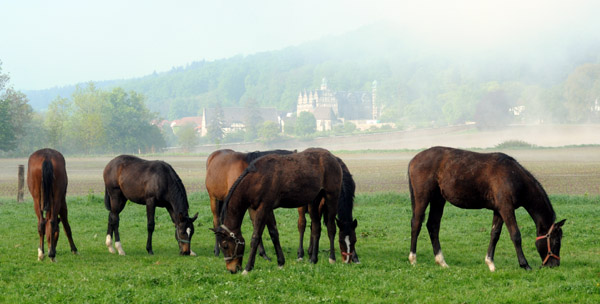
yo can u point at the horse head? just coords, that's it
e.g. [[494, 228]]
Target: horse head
[[232, 245], [184, 229], [347, 240], [548, 245]]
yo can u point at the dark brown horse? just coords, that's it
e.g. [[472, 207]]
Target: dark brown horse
[[150, 183], [47, 182], [273, 181], [223, 167], [472, 180], [345, 222]]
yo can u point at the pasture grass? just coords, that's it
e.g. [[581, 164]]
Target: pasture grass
[[383, 276]]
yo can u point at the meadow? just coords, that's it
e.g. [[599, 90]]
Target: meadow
[[570, 175]]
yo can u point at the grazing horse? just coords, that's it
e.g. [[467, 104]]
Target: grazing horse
[[345, 222], [47, 182], [223, 167], [150, 183], [473, 180], [273, 181]]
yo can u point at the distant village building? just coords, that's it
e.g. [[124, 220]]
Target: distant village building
[[330, 107], [194, 121], [234, 119]]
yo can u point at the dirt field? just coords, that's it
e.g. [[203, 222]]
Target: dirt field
[[560, 170]]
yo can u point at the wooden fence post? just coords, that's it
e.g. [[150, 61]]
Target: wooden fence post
[[21, 183]]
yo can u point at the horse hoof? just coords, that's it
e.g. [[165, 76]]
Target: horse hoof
[[280, 266], [300, 259], [412, 258], [75, 252], [331, 261], [53, 260], [245, 272], [192, 253], [112, 250]]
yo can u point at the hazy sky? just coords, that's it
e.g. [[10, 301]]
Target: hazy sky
[[55, 43]]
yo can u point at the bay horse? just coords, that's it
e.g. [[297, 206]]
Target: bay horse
[[473, 180], [273, 181], [223, 167], [150, 183], [345, 221], [47, 182]]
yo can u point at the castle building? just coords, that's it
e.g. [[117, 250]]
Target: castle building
[[330, 107]]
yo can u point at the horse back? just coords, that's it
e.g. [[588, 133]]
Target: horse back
[[223, 167], [294, 180], [468, 179], [138, 179], [52, 163]]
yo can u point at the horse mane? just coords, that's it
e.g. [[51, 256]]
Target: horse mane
[[251, 156], [346, 201], [251, 168], [543, 196], [177, 191]]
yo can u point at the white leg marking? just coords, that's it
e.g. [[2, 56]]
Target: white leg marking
[[192, 253], [490, 263], [412, 258], [439, 259], [347, 240], [331, 261], [300, 259], [245, 272], [109, 244], [40, 254], [119, 248]]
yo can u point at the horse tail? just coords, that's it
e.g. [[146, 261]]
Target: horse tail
[[410, 188], [106, 200], [47, 181], [223, 207]]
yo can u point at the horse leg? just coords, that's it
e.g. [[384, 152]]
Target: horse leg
[[259, 226], [261, 247], [150, 209], [301, 229], [272, 226], [215, 208], [494, 236], [515, 236], [65, 221], [436, 210], [52, 235], [418, 208], [315, 233], [331, 230], [116, 206], [41, 232]]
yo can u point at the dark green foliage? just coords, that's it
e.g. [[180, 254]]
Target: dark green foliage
[[514, 144], [306, 124]]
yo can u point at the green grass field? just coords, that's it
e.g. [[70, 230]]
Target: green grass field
[[570, 175], [384, 275]]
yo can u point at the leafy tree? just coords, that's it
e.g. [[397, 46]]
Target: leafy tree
[[129, 123], [187, 137], [493, 111], [582, 90], [253, 119], [87, 124], [15, 114], [269, 132], [306, 124], [215, 126], [55, 122]]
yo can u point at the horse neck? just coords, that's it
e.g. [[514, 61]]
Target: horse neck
[[234, 213], [542, 213]]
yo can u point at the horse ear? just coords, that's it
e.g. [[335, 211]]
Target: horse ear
[[194, 217], [354, 223], [559, 224]]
